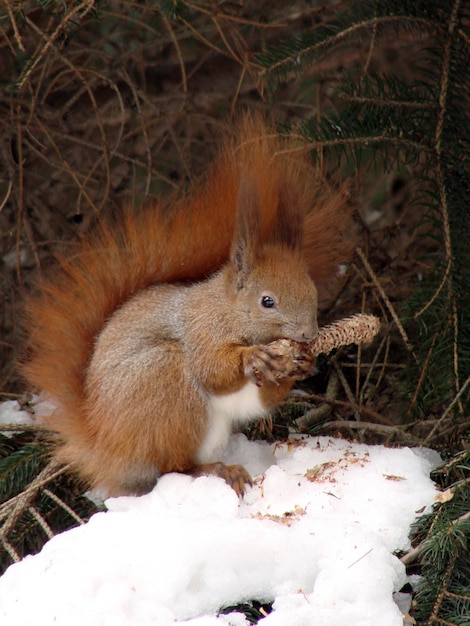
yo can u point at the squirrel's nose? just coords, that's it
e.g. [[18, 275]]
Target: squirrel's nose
[[308, 332]]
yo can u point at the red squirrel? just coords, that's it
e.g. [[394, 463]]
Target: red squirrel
[[146, 339]]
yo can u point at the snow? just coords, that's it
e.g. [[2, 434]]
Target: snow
[[11, 414], [315, 534]]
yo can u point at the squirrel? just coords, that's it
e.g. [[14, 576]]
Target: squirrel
[[147, 338]]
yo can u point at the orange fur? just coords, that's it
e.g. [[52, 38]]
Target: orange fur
[[188, 243]]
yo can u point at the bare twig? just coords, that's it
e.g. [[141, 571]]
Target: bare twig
[[385, 299], [381, 429], [456, 399], [83, 8], [347, 390], [313, 416]]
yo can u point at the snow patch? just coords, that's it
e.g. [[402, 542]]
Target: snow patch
[[315, 534]]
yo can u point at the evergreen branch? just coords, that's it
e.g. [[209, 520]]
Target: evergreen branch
[[64, 506], [446, 412], [443, 551], [389, 91], [373, 41], [41, 521], [443, 95], [19, 466], [422, 374], [294, 57], [412, 555], [365, 140], [15, 507], [15, 557], [452, 463], [437, 292], [434, 617], [386, 102]]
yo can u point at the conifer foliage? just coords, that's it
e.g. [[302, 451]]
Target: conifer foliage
[[420, 120]]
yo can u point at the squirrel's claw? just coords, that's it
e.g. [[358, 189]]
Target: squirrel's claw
[[234, 475]]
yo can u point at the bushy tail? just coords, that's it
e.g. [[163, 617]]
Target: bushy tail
[[188, 242]]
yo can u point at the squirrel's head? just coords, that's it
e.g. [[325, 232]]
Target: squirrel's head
[[276, 297], [273, 291]]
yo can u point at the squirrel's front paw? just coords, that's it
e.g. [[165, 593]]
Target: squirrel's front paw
[[265, 365], [279, 359], [301, 360]]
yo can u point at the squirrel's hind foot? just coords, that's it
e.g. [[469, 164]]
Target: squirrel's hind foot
[[234, 475]]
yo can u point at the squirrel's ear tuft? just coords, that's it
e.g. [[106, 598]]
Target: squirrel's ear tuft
[[247, 233], [288, 225]]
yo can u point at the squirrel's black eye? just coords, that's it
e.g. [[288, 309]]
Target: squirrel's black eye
[[267, 302]]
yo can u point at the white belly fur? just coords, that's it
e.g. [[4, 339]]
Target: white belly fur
[[222, 412]]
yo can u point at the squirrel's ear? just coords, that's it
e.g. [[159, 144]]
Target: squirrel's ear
[[288, 225], [247, 233]]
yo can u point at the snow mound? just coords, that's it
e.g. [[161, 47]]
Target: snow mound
[[315, 534]]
